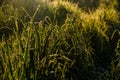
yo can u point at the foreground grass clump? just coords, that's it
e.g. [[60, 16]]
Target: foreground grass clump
[[45, 53], [58, 40]]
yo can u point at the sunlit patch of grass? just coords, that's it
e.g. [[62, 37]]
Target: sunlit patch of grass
[[59, 41]]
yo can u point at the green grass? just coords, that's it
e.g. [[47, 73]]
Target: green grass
[[58, 40]]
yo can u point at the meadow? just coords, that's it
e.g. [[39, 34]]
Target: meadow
[[59, 40]]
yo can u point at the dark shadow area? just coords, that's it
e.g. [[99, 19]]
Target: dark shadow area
[[87, 5]]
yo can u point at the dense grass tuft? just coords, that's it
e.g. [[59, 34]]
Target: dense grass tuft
[[59, 40]]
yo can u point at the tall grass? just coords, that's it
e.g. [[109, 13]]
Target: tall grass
[[58, 40]]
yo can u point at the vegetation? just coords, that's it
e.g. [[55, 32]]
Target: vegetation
[[59, 40]]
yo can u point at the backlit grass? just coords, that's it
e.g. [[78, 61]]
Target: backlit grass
[[58, 40]]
